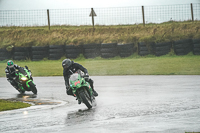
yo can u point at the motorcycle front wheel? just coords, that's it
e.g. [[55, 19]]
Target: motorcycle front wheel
[[33, 88], [86, 99]]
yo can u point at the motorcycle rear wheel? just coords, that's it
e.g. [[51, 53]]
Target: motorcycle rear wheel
[[33, 88], [86, 99], [22, 92]]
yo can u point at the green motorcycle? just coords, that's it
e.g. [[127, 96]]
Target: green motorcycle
[[25, 80], [82, 89]]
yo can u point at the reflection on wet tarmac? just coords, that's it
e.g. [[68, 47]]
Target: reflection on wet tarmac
[[125, 104], [25, 96], [82, 115]]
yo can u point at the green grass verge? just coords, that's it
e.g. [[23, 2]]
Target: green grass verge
[[133, 65], [10, 105]]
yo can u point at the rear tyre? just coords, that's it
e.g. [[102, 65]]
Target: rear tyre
[[33, 88], [86, 99], [22, 92]]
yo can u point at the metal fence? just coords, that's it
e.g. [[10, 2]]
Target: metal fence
[[105, 16]]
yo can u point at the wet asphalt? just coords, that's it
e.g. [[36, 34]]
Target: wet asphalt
[[129, 104]]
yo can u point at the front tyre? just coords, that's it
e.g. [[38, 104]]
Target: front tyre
[[86, 99], [33, 88]]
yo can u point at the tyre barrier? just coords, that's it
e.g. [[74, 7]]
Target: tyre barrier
[[56, 52], [125, 50], [183, 47], [21, 53], [162, 48], [109, 50], [4, 54], [196, 46], [105, 50], [91, 50], [143, 49], [39, 52], [72, 51]]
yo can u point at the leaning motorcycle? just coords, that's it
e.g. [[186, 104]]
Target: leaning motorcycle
[[25, 81], [81, 89]]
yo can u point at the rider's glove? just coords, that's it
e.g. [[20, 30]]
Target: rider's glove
[[26, 67], [86, 75]]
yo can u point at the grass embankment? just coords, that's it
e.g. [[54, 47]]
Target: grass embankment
[[77, 35], [133, 65], [10, 105]]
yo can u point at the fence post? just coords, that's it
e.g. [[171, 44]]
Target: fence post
[[48, 18], [143, 15], [192, 12], [92, 18]]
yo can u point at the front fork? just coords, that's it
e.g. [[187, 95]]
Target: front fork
[[27, 83]]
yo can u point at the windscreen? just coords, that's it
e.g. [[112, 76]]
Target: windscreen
[[74, 77], [21, 70]]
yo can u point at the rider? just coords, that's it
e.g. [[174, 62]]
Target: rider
[[70, 67], [10, 73]]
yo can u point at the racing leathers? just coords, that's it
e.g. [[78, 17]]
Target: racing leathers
[[74, 67], [11, 76]]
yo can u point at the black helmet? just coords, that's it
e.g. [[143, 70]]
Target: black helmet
[[10, 64], [66, 63]]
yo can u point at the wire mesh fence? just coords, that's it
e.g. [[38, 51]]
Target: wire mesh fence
[[23, 17], [105, 16]]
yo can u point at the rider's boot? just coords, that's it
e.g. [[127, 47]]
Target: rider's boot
[[94, 92], [14, 84], [18, 89], [92, 86], [79, 101]]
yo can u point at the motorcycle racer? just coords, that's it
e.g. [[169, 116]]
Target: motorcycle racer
[[10, 73], [70, 67]]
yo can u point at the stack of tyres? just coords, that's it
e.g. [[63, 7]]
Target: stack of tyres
[[162, 48], [39, 52], [91, 50], [109, 50], [125, 50], [4, 54], [72, 51], [183, 47], [56, 52], [196, 46], [143, 49], [21, 53]]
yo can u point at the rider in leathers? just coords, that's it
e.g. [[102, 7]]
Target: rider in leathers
[[10, 73], [70, 67]]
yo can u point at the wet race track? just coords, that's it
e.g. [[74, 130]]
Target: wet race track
[[125, 104]]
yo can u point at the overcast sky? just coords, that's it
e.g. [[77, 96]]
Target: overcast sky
[[64, 4]]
